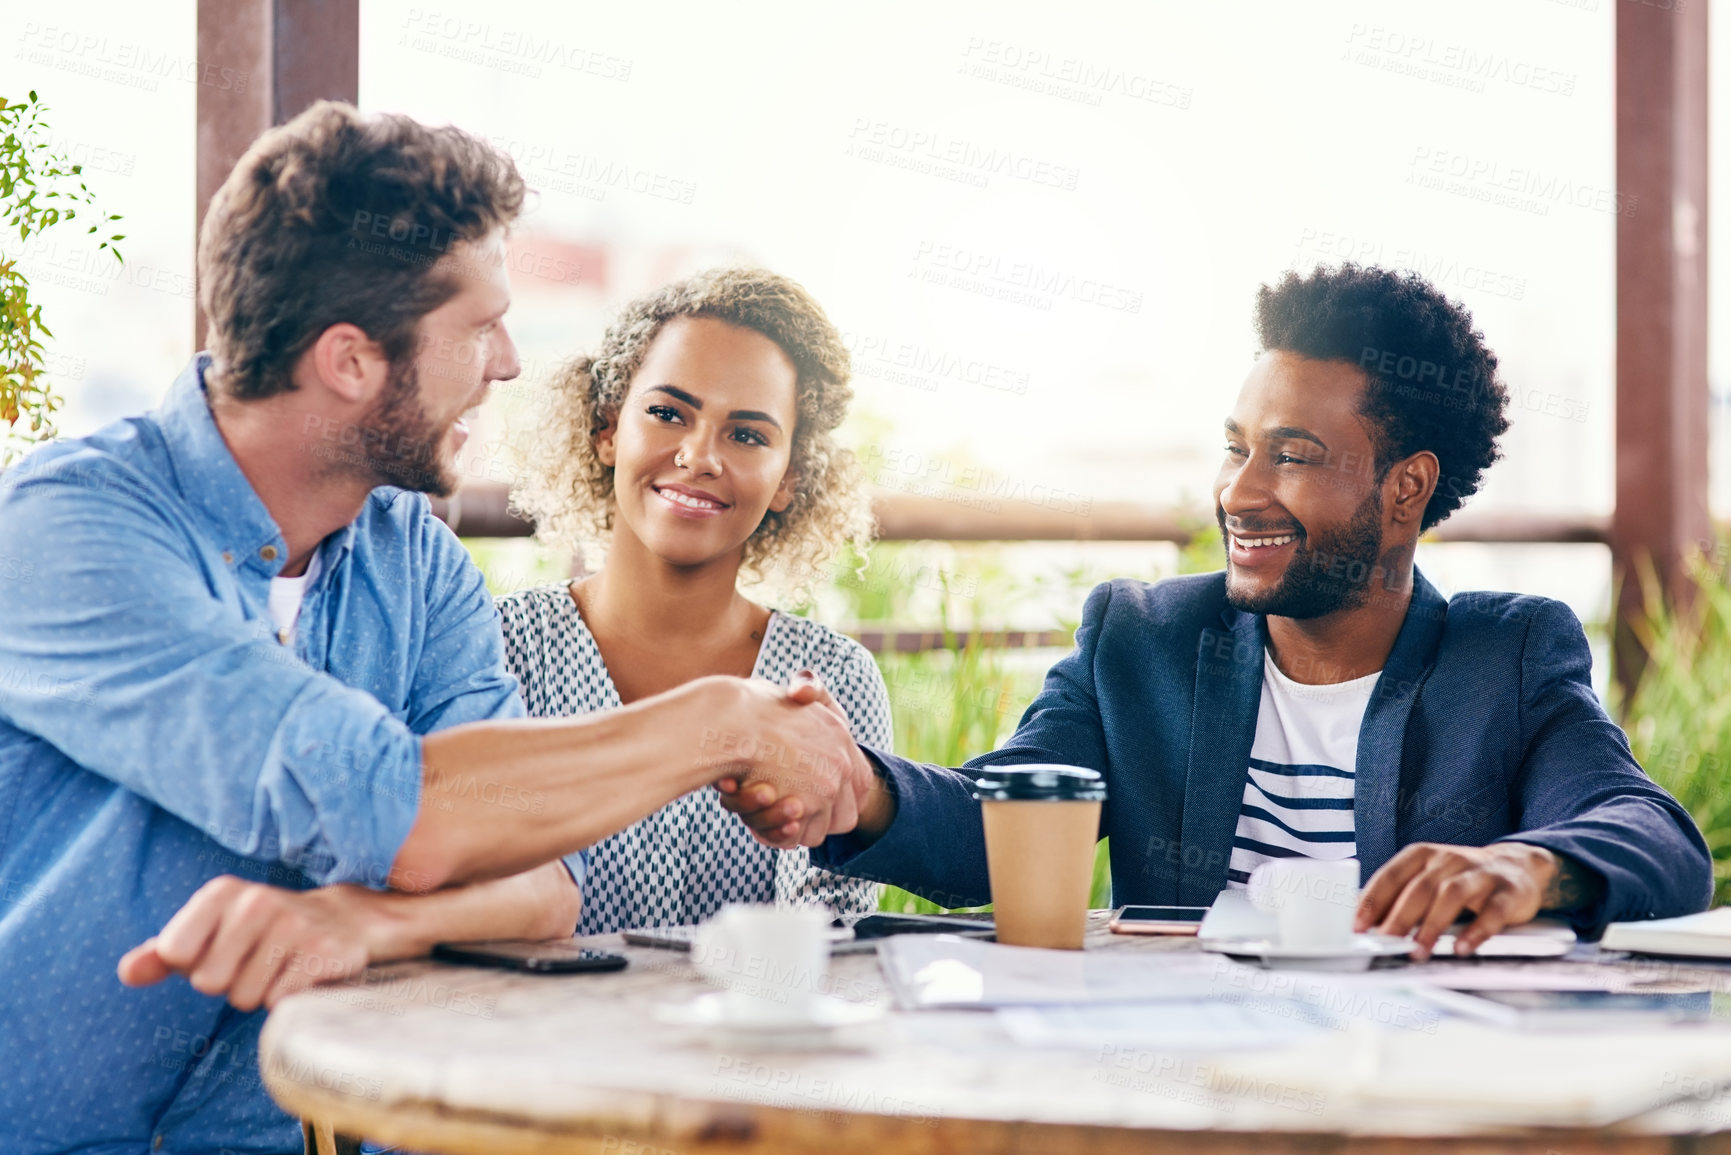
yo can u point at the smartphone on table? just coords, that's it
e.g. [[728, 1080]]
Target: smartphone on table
[[552, 957], [1157, 919], [876, 926]]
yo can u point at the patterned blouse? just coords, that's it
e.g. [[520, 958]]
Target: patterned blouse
[[684, 862]]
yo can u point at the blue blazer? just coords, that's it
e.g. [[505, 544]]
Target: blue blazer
[[1483, 726]]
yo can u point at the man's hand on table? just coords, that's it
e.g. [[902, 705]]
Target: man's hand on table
[[256, 943], [770, 801], [1428, 886]]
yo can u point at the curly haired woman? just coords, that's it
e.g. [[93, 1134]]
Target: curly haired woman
[[697, 445]]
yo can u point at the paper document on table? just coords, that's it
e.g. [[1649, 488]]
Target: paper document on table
[[1191, 1025], [1612, 974], [929, 971], [1467, 1073], [1470, 976]]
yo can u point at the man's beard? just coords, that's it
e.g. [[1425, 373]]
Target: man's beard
[[400, 442], [1331, 572]]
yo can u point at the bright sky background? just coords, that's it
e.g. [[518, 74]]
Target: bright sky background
[[1191, 152]]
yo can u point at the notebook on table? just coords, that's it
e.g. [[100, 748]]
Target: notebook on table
[[1704, 935]]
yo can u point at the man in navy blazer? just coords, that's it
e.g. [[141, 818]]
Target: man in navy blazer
[[1319, 697]]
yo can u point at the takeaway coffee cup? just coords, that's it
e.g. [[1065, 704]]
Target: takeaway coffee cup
[[1042, 822], [769, 961], [1313, 899]]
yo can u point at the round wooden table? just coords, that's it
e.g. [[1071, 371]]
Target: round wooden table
[[464, 1060]]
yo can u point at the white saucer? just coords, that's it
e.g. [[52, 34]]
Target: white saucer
[[1357, 955], [829, 1024]]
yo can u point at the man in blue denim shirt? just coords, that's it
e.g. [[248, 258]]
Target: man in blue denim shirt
[[181, 725]]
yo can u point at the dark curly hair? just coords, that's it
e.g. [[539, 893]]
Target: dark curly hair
[[1432, 381], [338, 216]]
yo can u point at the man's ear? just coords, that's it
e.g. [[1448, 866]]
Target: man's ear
[[1414, 480], [347, 363]]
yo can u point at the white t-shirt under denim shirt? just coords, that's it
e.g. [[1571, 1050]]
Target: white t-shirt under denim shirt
[[1298, 798], [286, 595]]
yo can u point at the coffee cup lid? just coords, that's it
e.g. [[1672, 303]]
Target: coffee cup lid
[[1040, 782]]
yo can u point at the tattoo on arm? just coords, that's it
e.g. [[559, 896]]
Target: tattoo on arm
[[1574, 887]]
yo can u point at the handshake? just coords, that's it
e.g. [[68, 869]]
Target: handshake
[[786, 763]]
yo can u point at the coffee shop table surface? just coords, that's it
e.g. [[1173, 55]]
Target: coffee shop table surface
[[459, 1060]]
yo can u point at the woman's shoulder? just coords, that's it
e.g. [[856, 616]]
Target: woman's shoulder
[[537, 607], [845, 666], [801, 643], [543, 620], [553, 654]]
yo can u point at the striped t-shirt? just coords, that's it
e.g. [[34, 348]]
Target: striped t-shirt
[[1298, 798]]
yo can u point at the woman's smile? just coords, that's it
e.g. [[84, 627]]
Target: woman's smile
[[684, 501]]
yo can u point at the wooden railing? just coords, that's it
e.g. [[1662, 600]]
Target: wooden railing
[[481, 510]]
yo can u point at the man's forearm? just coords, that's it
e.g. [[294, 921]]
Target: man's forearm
[[1573, 887], [539, 903], [499, 798]]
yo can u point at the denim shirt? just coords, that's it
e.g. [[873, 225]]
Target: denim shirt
[[154, 734]]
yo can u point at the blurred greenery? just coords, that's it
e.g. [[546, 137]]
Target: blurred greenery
[[953, 704], [514, 563], [39, 189], [1679, 717], [1204, 553], [975, 696]]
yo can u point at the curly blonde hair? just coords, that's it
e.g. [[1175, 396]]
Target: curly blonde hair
[[568, 492]]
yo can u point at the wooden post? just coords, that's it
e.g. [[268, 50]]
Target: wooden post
[[1662, 399], [291, 52]]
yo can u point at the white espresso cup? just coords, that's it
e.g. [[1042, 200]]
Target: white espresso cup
[[770, 961], [1314, 899]]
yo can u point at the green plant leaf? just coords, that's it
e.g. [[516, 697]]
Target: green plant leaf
[[1678, 720], [40, 189]]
